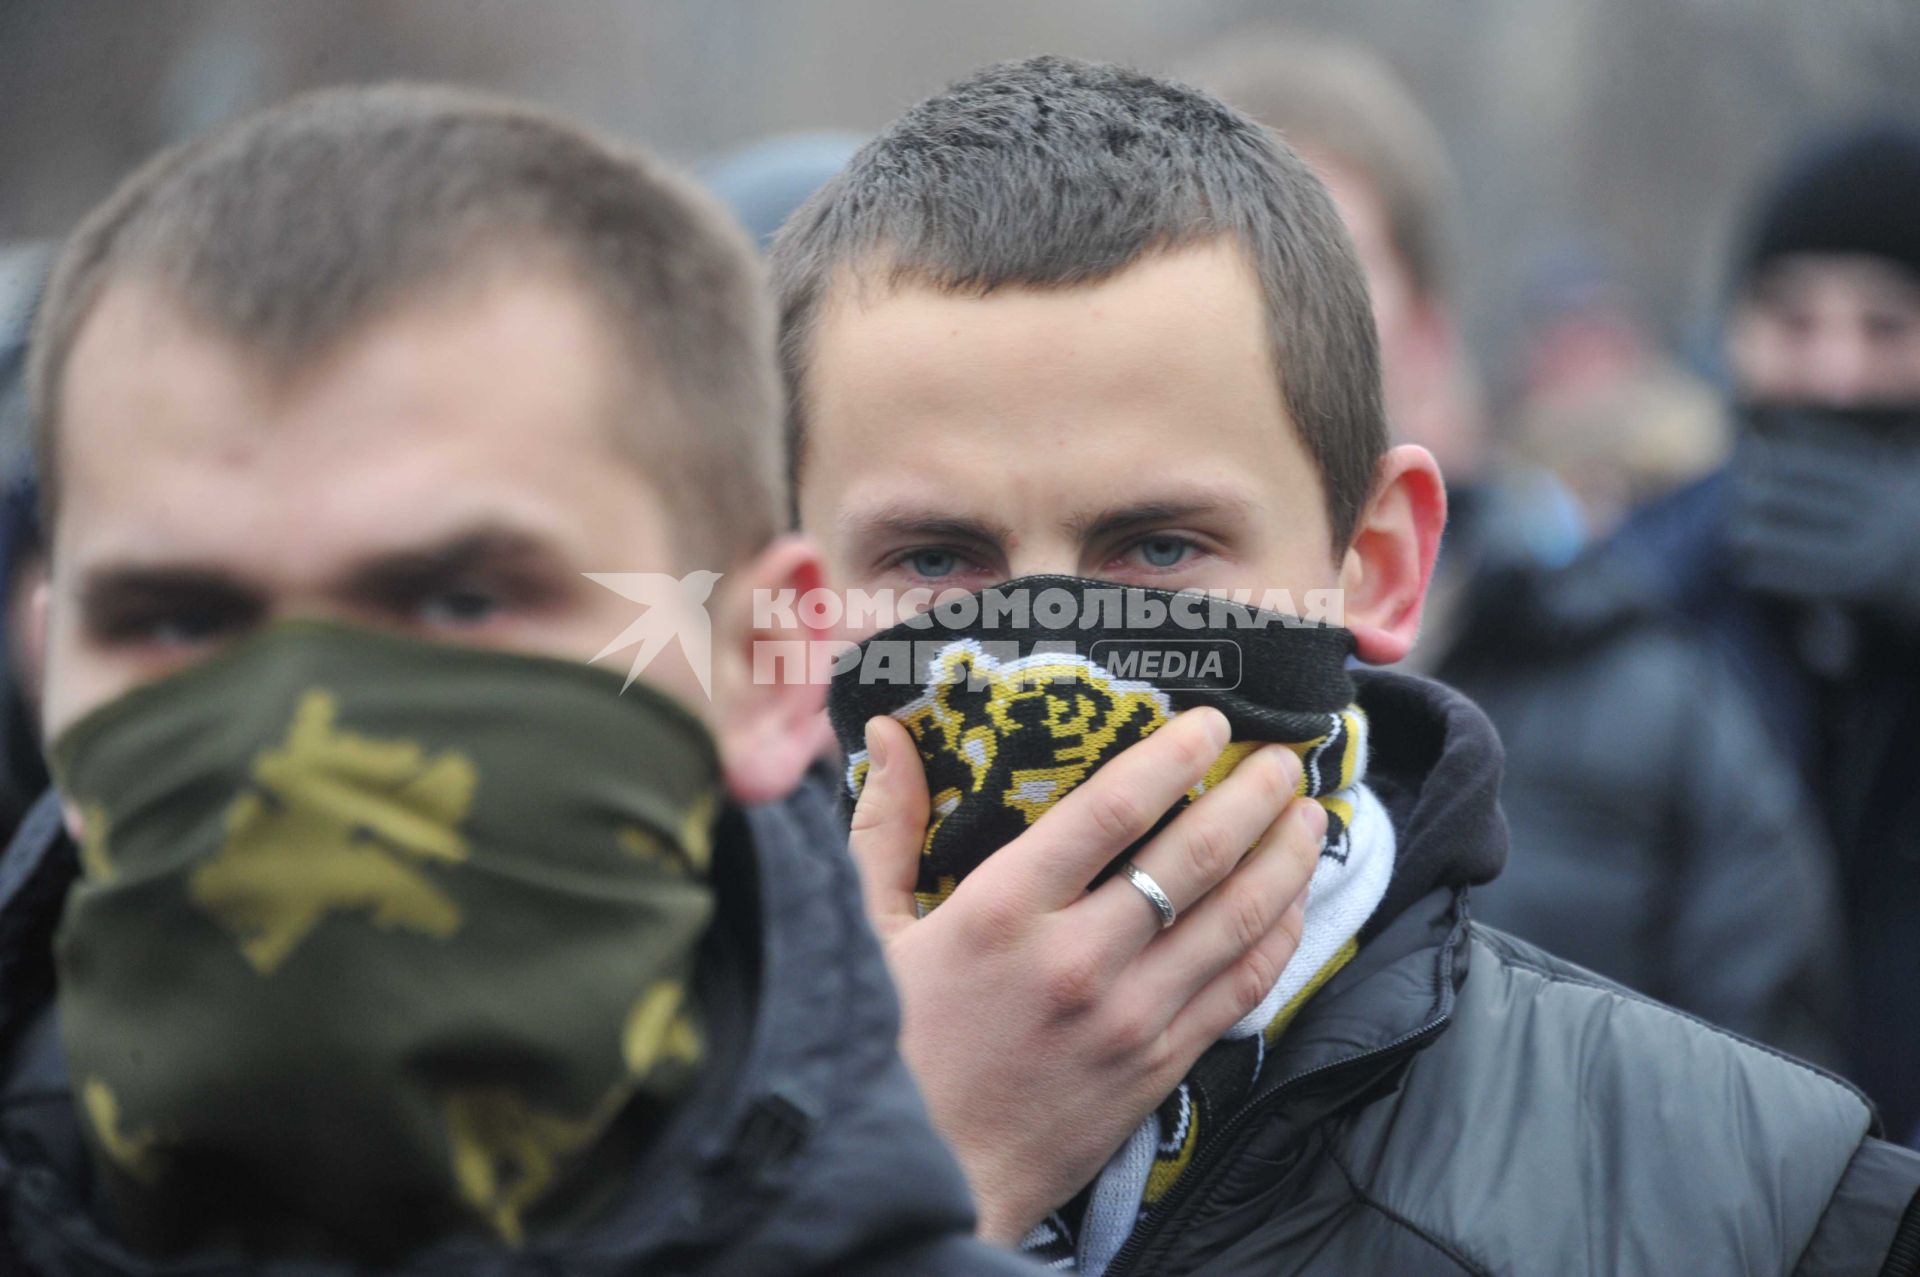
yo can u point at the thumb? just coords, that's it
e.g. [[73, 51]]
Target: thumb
[[889, 826]]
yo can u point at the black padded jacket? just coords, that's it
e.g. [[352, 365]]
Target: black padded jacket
[[1455, 1101], [804, 1150]]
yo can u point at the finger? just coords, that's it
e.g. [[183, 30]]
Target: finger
[[1799, 576], [1837, 459], [1051, 864], [1236, 917], [1817, 476], [889, 826], [1240, 988], [1779, 504], [1202, 845], [1791, 556]]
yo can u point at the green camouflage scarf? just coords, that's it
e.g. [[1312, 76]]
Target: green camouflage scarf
[[377, 939]]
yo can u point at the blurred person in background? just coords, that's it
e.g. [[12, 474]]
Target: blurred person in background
[[23, 770], [370, 927], [1598, 405], [1802, 557], [1658, 838], [765, 180], [1619, 446]]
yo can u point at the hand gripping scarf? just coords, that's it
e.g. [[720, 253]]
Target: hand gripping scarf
[[1016, 695]]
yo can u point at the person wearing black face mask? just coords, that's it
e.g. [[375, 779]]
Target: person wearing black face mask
[[1802, 558], [1568, 663]]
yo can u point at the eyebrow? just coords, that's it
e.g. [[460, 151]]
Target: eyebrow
[[381, 577], [1114, 522], [111, 593], [481, 548], [904, 521]]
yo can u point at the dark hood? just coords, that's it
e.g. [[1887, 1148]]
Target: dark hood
[[1525, 612], [1515, 600], [1435, 766]]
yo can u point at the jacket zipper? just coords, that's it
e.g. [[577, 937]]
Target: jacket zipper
[[1203, 1160]]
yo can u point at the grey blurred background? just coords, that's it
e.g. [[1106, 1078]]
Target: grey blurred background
[[1615, 134]]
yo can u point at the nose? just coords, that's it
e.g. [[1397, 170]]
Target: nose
[[1044, 560], [1839, 360]]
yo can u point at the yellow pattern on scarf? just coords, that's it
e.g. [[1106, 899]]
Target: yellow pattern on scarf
[[1168, 1168]]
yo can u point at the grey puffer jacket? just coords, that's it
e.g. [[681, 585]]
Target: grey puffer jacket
[[805, 1150], [1457, 1102]]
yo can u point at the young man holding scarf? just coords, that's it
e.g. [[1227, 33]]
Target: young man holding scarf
[[1071, 335], [396, 937]]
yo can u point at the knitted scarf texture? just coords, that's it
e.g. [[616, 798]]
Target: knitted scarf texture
[[1010, 720]]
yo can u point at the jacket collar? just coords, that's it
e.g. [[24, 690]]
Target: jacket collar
[[35, 872], [1351, 1043], [1436, 768]]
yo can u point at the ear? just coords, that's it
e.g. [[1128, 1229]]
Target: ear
[[769, 707], [1390, 560], [31, 654], [39, 602]]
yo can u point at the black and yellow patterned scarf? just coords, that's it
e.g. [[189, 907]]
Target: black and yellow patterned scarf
[[1008, 720]]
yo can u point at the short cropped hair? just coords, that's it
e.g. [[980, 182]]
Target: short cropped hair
[[1052, 172], [291, 230], [1340, 102]]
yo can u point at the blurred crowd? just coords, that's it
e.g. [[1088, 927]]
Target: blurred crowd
[[1680, 575]]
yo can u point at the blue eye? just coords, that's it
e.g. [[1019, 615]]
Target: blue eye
[[185, 629], [1163, 552], [458, 608], [933, 563]]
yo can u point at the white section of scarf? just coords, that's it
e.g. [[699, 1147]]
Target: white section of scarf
[[1341, 896]]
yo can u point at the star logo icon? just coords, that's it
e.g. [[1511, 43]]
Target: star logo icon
[[675, 608]]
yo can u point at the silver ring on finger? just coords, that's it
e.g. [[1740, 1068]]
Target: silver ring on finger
[[1144, 883]]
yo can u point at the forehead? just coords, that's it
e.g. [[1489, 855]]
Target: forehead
[[1161, 376], [173, 440], [1840, 279], [1167, 332]]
